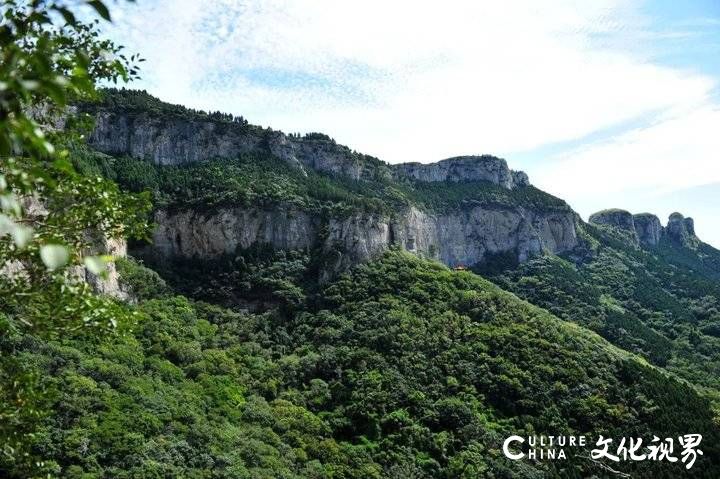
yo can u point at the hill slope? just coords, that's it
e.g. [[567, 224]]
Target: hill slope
[[402, 368], [659, 301]]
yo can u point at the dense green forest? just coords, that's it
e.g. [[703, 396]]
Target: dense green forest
[[246, 366], [261, 179], [402, 368]]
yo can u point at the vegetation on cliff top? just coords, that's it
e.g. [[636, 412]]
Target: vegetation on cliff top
[[263, 180]]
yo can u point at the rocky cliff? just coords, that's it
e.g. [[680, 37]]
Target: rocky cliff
[[108, 284], [462, 237], [466, 234], [648, 228], [180, 139], [464, 168]]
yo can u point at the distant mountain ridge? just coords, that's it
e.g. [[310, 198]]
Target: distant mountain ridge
[[515, 220]]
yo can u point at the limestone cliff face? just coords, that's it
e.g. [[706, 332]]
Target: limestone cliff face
[[168, 141], [175, 141], [681, 230], [464, 237], [190, 233], [109, 284], [648, 228]]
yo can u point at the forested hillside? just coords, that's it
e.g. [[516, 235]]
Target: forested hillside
[[661, 302], [248, 365], [403, 368]]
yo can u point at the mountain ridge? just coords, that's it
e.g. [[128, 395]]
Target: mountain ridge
[[127, 122], [189, 143]]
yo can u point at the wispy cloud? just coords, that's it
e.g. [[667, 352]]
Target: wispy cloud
[[673, 154], [406, 80]]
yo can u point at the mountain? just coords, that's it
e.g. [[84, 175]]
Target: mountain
[[308, 311], [309, 192]]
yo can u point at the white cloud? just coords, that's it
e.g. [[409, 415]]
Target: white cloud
[[408, 80], [646, 169], [674, 154]]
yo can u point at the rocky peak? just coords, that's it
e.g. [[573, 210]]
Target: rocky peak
[[646, 229], [681, 230], [463, 168], [615, 217]]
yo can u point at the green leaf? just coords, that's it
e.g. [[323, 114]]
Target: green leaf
[[100, 8], [54, 256], [67, 15]]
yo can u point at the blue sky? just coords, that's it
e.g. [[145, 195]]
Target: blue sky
[[609, 103]]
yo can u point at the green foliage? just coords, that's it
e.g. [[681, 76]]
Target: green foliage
[[190, 394], [402, 367], [261, 180], [449, 195], [252, 180], [139, 101], [254, 278], [140, 282], [51, 216], [407, 335], [46, 62]]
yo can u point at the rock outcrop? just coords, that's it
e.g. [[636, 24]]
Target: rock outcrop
[[648, 228], [463, 168], [108, 284], [620, 219], [681, 230], [645, 228], [178, 140]]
